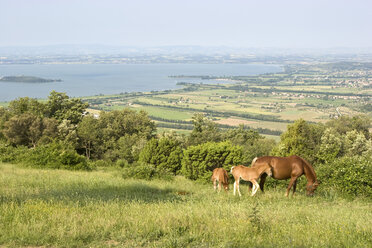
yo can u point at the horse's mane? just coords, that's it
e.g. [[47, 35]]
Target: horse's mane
[[309, 169]]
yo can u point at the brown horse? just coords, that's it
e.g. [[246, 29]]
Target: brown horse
[[288, 167], [220, 176], [249, 174]]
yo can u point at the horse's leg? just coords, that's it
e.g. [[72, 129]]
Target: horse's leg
[[214, 184], [255, 187], [250, 186], [234, 187], [219, 186], [294, 187], [237, 185], [293, 179], [262, 181]]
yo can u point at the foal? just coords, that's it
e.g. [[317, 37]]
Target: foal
[[249, 174], [220, 176]]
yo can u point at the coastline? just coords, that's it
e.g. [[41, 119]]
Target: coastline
[[111, 79]]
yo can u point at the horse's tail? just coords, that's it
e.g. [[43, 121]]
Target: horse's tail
[[254, 161]]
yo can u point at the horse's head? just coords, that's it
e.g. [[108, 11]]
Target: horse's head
[[310, 188], [226, 186]]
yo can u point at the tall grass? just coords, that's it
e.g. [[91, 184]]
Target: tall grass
[[100, 209]]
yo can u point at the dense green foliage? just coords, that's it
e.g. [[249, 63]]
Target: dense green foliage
[[59, 133], [349, 175], [165, 153], [200, 160], [55, 155], [302, 139]]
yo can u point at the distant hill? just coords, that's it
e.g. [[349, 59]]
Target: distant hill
[[27, 79]]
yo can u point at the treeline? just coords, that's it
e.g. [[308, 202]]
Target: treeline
[[218, 113], [188, 125], [59, 133], [273, 89]]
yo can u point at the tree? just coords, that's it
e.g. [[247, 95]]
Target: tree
[[357, 144], [253, 145], [26, 105], [61, 107], [344, 124], [261, 147], [128, 147], [24, 129], [199, 161], [242, 136], [204, 131], [50, 130], [165, 153], [302, 139], [5, 115], [88, 133], [118, 123], [331, 145], [67, 133]]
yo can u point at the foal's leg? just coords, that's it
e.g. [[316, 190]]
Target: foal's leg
[[237, 185], [293, 180], [255, 187], [219, 186], [234, 187], [215, 184]]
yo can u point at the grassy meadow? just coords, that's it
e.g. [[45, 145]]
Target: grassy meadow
[[58, 208]]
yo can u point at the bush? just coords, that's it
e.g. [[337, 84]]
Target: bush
[[164, 153], [100, 163], [122, 163], [348, 175], [145, 171], [199, 161], [11, 154], [56, 155]]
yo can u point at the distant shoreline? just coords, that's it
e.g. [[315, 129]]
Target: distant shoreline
[[91, 80], [27, 79]]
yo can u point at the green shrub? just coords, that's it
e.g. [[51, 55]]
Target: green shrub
[[141, 171], [56, 155], [348, 175], [165, 153], [145, 171], [69, 159], [199, 161], [11, 154], [122, 163], [100, 163]]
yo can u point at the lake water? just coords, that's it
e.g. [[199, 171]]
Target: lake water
[[93, 79]]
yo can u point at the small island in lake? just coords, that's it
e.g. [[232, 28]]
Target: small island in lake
[[27, 79]]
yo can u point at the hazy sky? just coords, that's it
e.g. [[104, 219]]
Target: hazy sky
[[237, 23]]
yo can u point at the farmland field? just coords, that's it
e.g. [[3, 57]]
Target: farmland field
[[315, 93], [57, 208]]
